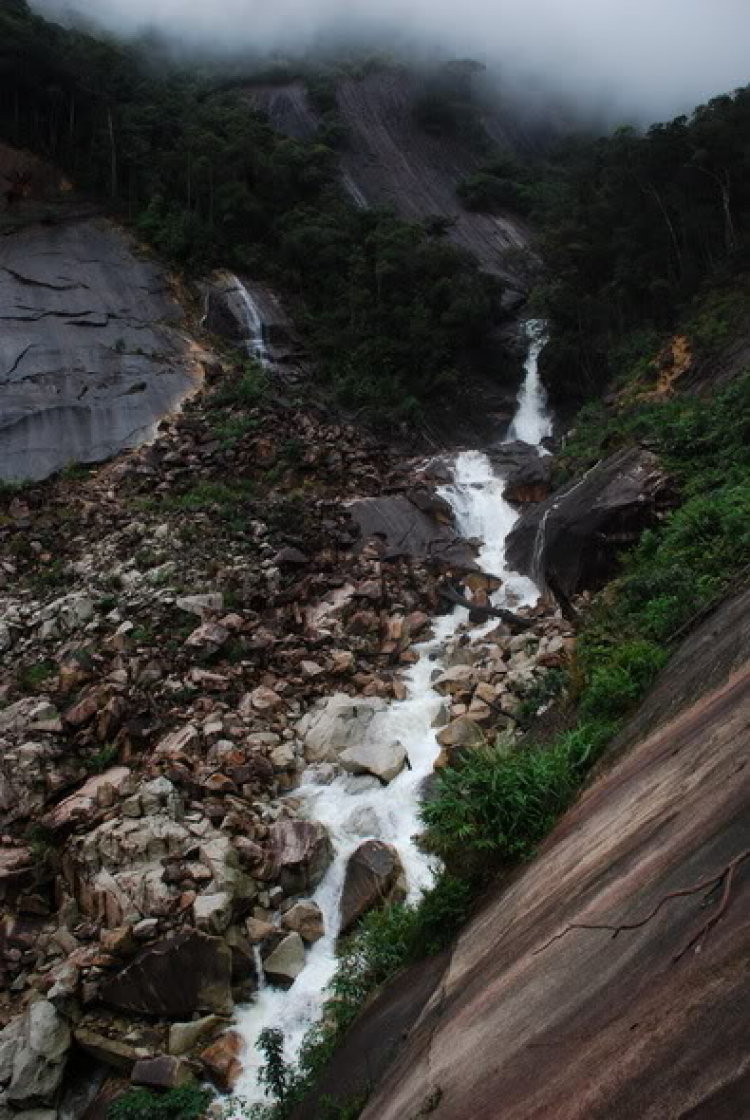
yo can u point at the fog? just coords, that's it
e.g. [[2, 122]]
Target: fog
[[644, 59]]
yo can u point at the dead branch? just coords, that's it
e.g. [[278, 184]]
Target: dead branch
[[708, 885]]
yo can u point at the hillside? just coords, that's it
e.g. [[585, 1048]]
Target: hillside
[[374, 614]]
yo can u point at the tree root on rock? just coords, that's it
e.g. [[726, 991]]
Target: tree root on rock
[[725, 876]]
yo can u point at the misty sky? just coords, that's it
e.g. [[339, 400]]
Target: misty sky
[[650, 58]]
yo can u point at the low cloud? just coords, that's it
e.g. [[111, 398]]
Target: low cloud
[[640, 58]]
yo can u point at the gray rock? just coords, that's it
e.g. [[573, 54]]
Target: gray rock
[[283, 965], [342, 722], [163, 1072], [384, 760], [372, 874], [213, 912], [87, 362], [184, 1036], [40, 1055]]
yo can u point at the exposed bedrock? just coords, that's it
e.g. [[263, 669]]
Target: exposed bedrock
[[92, 350], [543, 1006], [389, 160], [572, 540]]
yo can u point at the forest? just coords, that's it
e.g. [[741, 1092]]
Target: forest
[[392, 312], [630, 228]]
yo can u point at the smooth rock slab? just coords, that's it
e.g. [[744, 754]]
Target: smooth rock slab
[[90, 354]]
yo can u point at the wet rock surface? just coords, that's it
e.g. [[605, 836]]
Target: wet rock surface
[[572, 540]]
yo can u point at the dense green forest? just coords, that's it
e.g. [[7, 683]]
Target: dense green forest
[[392, 312], [632, 229]]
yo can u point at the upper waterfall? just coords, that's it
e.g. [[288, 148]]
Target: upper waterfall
[[532, 422]]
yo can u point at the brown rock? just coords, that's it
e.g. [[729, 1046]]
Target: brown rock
[[222, 1061], [306, 919]]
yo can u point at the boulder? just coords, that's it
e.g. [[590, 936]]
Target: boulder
[[461, 732], [175, 977], [306, 919], [184, 1036], [222, 1060], [384, 760], [112, 1052], [284, 963], [419, 525], [527, 472], [83, 807], [572, 541], [340, 723], [371, 876], [213, 912], [163, 1072], [40, 1043], [298, 854]]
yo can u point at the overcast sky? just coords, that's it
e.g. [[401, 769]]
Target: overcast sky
[[650, 58]]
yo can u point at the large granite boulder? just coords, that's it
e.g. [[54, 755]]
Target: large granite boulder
[[572, 541], [174, 978], [384, 760], [285, 960], [371, 880]]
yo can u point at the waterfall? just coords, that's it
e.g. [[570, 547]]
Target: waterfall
[[256, 338], [532, 422], [354, 192], [391, 813]]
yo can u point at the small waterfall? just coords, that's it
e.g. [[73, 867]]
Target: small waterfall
[[391, 813], [354, 192], [256, 339]]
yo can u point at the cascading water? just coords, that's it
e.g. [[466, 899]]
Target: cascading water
[[255, 340], [532, 422], [391, 813]]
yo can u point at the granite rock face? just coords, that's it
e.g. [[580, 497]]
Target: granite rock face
[[92, 354]]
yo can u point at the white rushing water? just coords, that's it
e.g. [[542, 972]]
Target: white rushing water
[[255, 340], [532, 422], [391, 813]]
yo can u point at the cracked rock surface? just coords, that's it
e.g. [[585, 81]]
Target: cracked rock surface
[[91, 351]]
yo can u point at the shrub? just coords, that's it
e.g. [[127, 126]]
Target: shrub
[[189, 1103]]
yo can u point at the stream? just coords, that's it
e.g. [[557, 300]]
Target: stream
[[391, 813]]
